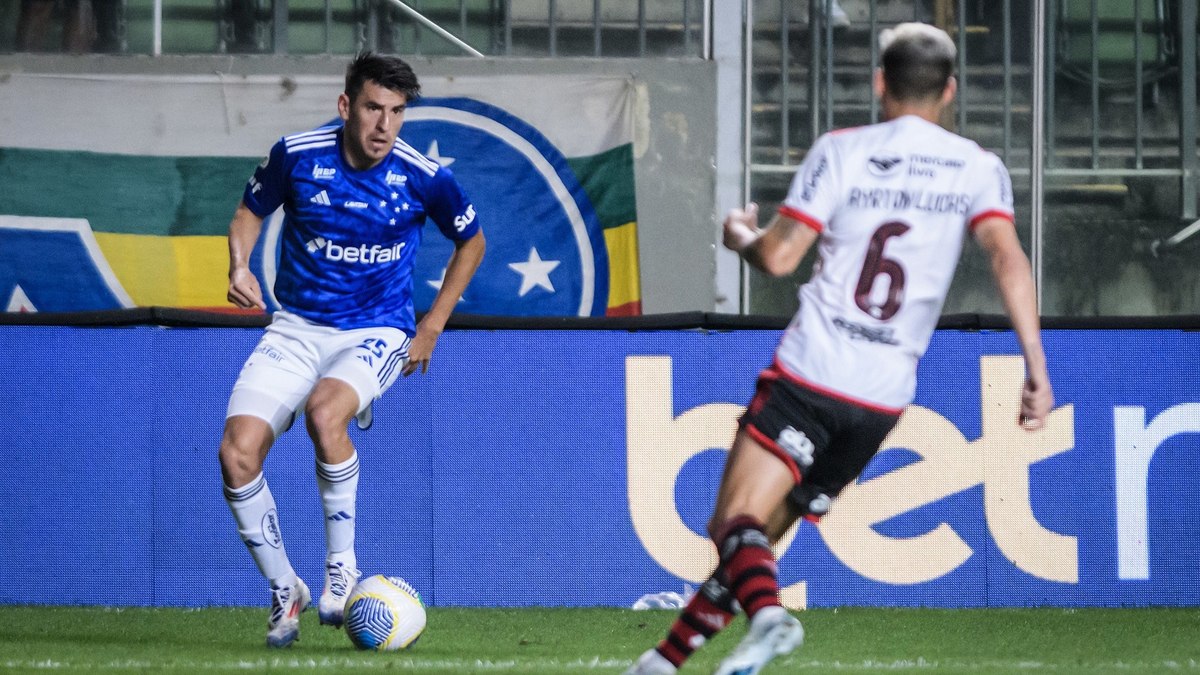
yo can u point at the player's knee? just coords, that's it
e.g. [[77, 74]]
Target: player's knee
[[239, 460], [325, 421]]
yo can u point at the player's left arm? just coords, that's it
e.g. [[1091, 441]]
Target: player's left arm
[[777, 249], [1014, 281], [465, 259]]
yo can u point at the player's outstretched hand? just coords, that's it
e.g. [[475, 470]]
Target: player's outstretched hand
[[741, 227], [1036, 401], [244, 290]]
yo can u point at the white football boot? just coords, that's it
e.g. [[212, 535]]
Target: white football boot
[[339, 581], [287, 603], [652, 663], [773, 632]]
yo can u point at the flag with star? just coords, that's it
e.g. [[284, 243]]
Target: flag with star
[[564, 147], [547, 160], [561, 232]]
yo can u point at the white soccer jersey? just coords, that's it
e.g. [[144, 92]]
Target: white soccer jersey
[[891, 202]]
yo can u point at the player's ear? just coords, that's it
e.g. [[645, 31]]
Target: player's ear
[[950, 90], [877, 83], [344, 106]]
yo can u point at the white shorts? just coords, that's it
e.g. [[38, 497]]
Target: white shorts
[[294, 354]]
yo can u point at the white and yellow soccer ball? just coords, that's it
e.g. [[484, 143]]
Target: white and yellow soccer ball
[[384, 613]]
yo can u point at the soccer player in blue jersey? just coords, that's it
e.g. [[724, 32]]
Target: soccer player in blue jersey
[[355, 199]]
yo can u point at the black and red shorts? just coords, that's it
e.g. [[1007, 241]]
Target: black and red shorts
[[827, 442]]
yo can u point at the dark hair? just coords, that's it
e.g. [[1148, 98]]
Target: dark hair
[[389, 72], [917, 61]]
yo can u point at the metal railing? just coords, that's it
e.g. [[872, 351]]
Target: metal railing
[[532, 28], [1085, 138]]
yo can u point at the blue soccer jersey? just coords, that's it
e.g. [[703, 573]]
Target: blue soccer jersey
[[349, 238]]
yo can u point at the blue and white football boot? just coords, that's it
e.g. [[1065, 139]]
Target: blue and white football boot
[[287, 603], [339, 581]]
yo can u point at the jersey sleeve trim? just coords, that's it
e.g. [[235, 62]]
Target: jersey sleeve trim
[[837, 396], [992, 213], [800, 216], [409, 154]]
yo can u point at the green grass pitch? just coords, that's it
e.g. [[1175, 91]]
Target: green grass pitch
[[529, 640]]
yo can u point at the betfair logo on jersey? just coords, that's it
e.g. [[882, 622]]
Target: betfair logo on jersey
[[461, 222], [361, 254], [322, 173], [396, 179]]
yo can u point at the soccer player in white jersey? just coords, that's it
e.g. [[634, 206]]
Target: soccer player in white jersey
[[355, 200], [890, 204]]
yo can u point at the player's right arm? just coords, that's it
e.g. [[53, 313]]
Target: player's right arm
[[1014, 280], [244, 229], [779, 248], [776, 250], [263, 194]]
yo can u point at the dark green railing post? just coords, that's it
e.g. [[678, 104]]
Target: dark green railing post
[[279, 27], [1190, 163]]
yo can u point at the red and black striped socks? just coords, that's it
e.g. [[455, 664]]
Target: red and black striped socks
[[746, 579], [748, 564], [710, 610]]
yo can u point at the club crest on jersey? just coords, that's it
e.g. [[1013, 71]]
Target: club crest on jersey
[[884, 165]]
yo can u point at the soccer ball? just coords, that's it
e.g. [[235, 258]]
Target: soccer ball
[[384, 613]]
